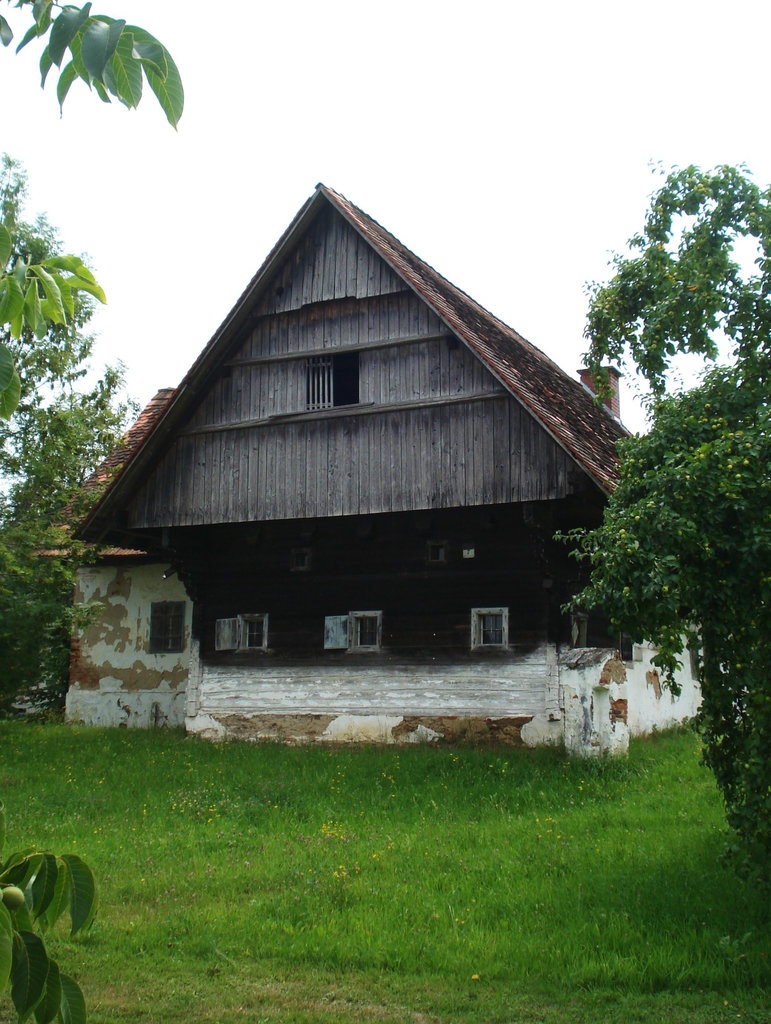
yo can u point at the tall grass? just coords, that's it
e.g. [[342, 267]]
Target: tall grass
[[517, 872]]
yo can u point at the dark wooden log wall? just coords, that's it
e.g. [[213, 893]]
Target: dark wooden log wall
[[433, 428], [379, 564]]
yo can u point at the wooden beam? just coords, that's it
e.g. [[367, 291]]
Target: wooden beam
[[413, 339], [370, 409]]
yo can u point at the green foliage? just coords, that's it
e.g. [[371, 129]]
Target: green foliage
[[33, 298], [110, 56], [113, 58], [36, 888], [60, 430], [683, 556], [682, 289]]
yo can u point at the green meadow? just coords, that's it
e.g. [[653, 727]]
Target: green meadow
[[243, 882]]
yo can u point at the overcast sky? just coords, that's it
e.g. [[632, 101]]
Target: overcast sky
[[510, 145]]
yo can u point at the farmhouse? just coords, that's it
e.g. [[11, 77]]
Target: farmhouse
[[341, 524]]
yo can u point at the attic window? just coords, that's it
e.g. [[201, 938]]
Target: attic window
[[332, 381], [167, 627]]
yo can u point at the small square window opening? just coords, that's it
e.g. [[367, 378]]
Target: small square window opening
[[436, 552], [300, 559]]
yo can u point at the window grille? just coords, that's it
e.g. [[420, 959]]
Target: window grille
[[332, 380], [167, 627]]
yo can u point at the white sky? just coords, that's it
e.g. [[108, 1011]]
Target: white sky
[[508, 144]]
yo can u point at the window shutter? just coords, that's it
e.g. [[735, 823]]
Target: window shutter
[[335, 632], [226, 634]]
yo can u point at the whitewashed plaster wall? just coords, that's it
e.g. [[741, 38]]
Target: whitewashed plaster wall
[[114, 679], [381, 703], [607, 700]]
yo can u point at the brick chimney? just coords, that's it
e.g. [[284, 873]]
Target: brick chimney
[[612, 402]]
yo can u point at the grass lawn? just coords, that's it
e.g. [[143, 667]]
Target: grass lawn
[[244, 882]]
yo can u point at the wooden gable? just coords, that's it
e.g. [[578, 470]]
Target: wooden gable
[[428, 426]]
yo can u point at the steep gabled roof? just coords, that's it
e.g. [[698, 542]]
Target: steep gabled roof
[[560, 403]]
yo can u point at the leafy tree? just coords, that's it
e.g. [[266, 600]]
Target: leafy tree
[[113, 58], [683, 556], [110, 56], [58, 433], [36, 888]]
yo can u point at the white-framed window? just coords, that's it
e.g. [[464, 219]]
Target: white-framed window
[[489, 628], [356, 631], [365, 631], [242, 633], [254, 632]]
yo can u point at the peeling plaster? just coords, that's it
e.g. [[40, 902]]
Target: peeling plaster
[[109, 659], [652, 679], [386, 729]]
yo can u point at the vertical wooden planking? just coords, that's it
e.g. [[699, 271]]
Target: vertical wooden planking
[[484, 441], [351, 442], [364, 455], [467, 412], [283, 477], [457, 447], [526, 457], [334, 468], [227, 476], [269, 476], [392, 469], [296, 379], [433, 466], [373, 276], [422, 458], [306, 267], [362, 270], [241, 493], [176, 501], [325, 283], [199, 462], [501, 460], [263, 442], [320, 466], [341, 258], [287, 486], [352, 261], [253, 504], [306, 458]]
